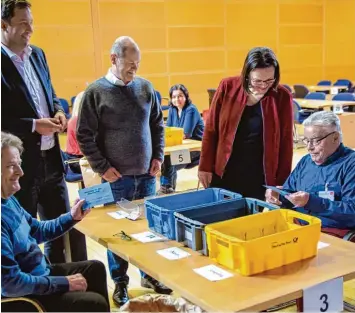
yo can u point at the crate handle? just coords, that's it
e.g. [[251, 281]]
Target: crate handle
[[227, 194], [258, 202], [291, 215]]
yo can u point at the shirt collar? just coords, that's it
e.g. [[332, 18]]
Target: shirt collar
[[13, 56], [336, 155], [113, 79]]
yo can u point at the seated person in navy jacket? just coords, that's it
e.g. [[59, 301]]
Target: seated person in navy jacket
[[183, 114], [323, 182], [70, 287]]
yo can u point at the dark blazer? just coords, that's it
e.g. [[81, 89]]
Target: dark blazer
[[18, 109]]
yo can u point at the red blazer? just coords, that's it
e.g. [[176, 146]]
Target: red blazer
[[226, 110]]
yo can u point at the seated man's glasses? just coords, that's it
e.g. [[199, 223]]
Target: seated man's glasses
[[316, 140]]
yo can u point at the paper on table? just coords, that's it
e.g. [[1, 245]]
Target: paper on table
[[96, 195], [173, 253], [118, 215], [322, 245], [213, 273], [147, 236]]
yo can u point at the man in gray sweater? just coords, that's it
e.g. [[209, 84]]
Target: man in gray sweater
[[120, 131]]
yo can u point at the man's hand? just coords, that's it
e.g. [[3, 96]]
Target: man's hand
[[47, 126], [62, 120], [77, 212], [272, 196], [77, 282], [205, 178], [111, 175], [155, 167], [298, 199]]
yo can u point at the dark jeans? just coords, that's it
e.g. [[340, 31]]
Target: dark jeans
[[94, 299], [47, 194], [130, 188], [168, 176]]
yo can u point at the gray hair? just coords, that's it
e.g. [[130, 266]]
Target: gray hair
[[122, 44], [10, 140], [323, 119]]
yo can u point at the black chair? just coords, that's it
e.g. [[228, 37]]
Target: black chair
[[300, 91], [211, 93]]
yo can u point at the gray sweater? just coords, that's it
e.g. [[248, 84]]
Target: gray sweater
[[121, 126]]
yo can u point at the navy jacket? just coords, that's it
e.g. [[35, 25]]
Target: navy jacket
[[18, 109], [339, 173], [190, 121]]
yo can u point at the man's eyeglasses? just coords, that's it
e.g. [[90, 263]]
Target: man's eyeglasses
[[260, 83], [123, 236], [315, 141]]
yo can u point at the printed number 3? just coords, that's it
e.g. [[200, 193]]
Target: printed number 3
[[324, 298], [180, 158]]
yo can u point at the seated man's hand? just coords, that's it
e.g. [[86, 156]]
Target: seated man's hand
[[77, 282], [298, 199], [111, 175], [272, 196], [77, 212]]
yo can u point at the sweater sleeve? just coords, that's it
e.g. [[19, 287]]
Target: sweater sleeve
[[191, 119], [210, 135], [157, 128], [286, 138], [44, 231], [16, 283], [86, 133]]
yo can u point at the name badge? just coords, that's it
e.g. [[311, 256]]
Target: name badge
[[327, 194]]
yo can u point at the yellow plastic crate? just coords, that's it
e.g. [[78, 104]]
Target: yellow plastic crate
[[261, 242], [173, 136]]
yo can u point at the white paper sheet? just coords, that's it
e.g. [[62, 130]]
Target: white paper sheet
[[322, 245], [213, 273], [173, 253], [147, 237], [118, 215]]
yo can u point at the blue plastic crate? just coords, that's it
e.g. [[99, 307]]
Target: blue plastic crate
[[160, 211], [190, 224]]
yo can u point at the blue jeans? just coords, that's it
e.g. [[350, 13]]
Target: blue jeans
[[168, 176], [131, 188]]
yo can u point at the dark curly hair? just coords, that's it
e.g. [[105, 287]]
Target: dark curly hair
[[8, 8], [184, 90]]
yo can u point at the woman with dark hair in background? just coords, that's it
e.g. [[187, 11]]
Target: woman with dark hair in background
[[183, 114], [248, 137]]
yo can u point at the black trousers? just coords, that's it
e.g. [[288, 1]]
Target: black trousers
[[95, 299], [47, 194]]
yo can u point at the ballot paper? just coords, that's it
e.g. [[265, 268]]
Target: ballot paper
[[279, 191], [173, 253], [147, 236], [213, 273], [96, 195], [322, 245], [118, 215]]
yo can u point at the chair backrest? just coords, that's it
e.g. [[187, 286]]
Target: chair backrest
[[325, 83], [316, 96], [296, 109], [300, 91], [158, 95], [211, 92], [72, 99], [64, 103], [343, 82], [345, 96], [288, 87]]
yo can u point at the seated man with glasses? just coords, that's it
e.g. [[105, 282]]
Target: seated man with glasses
[[323, 182]]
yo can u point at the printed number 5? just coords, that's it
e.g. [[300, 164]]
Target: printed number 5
[[324, 298], [181, 159]]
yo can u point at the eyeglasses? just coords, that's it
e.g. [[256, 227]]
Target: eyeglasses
[[315, 141], [123, 235], [260, 83]]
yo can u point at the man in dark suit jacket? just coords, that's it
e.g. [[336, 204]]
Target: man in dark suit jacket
[[31, 110]]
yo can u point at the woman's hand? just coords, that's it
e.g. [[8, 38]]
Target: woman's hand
[[205, 178]]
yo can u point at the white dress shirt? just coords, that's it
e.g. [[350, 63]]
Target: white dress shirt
[[113, 79], [34, 86]]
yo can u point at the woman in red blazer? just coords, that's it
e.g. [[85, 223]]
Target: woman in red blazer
[[248, 138]]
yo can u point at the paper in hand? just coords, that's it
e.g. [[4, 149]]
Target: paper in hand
[[279, 191], [96, 195]]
